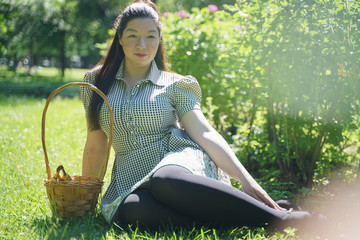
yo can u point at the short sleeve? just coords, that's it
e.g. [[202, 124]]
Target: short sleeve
[[86, 93], [187, 95]]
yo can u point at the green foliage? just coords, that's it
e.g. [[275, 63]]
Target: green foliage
[[311, 96], [173, 5]]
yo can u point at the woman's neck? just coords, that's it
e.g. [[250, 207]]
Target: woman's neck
[[133, 74]]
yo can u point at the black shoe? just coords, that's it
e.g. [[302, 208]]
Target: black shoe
[[288, 205]]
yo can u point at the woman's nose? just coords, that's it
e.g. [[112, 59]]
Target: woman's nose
[[141, 42]]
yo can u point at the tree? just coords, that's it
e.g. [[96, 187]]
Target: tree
[[306, 53], [19, 27], [55, 28]]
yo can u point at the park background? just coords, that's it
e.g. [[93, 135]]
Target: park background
[[280, 81]]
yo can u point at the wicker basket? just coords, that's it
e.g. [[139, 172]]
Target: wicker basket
[[78, 197]]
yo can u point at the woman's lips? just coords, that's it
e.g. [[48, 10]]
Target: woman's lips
[[141, 55]]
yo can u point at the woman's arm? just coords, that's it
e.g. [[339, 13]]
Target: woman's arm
[[200, 130], [94, 155]]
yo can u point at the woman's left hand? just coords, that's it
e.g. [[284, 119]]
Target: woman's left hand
[[252, 188]]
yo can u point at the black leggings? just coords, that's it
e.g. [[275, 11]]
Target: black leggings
[[177, 197]]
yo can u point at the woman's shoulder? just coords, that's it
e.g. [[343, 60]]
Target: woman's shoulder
[[176, 78], [182, 84], [90, 75]]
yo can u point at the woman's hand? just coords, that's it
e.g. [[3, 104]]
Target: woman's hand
[[253, 189]]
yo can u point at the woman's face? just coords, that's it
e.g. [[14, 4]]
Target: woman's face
[[140, 41]]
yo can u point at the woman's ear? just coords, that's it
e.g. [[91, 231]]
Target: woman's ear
[[120, 40]]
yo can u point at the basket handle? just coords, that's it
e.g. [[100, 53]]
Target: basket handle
[[82, 84]]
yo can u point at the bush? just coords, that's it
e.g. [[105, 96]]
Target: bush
[[279, 79]]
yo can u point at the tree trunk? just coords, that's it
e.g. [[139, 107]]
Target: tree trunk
[[62, 53], [314, 158]]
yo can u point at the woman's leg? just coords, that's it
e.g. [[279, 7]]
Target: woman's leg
[[213, 202], [140, 207]]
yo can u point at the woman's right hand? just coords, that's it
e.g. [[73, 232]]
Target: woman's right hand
[[95, 153], [253, 189]]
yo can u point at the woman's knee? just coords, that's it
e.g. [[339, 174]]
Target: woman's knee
[[135, 208], [165, 177], [128, 210], [170, 172]]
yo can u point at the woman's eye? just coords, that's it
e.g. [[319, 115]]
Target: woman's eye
[[151, 37], [132, 36]]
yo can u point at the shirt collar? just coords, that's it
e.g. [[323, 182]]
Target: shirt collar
[[153, 76]]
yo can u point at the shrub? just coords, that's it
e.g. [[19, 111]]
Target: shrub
[[279, 79]]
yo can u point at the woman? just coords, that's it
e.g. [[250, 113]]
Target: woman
[[169, 163]]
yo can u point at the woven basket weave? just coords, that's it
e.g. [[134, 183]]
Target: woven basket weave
[[78, 197]]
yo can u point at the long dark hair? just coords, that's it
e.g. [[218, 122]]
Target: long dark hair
[[110, 63]]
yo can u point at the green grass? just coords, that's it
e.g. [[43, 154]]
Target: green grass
[[24, 209], [71, 74]]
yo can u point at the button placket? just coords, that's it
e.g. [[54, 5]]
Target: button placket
[[130, 124], [127, 107], [132, 127], [134, 89], [126, 110]]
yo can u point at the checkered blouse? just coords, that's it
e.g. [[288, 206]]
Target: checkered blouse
[[147, 135]]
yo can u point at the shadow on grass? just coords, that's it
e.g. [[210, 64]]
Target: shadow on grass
[[95, 227], [90, 227], [35, 86]]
